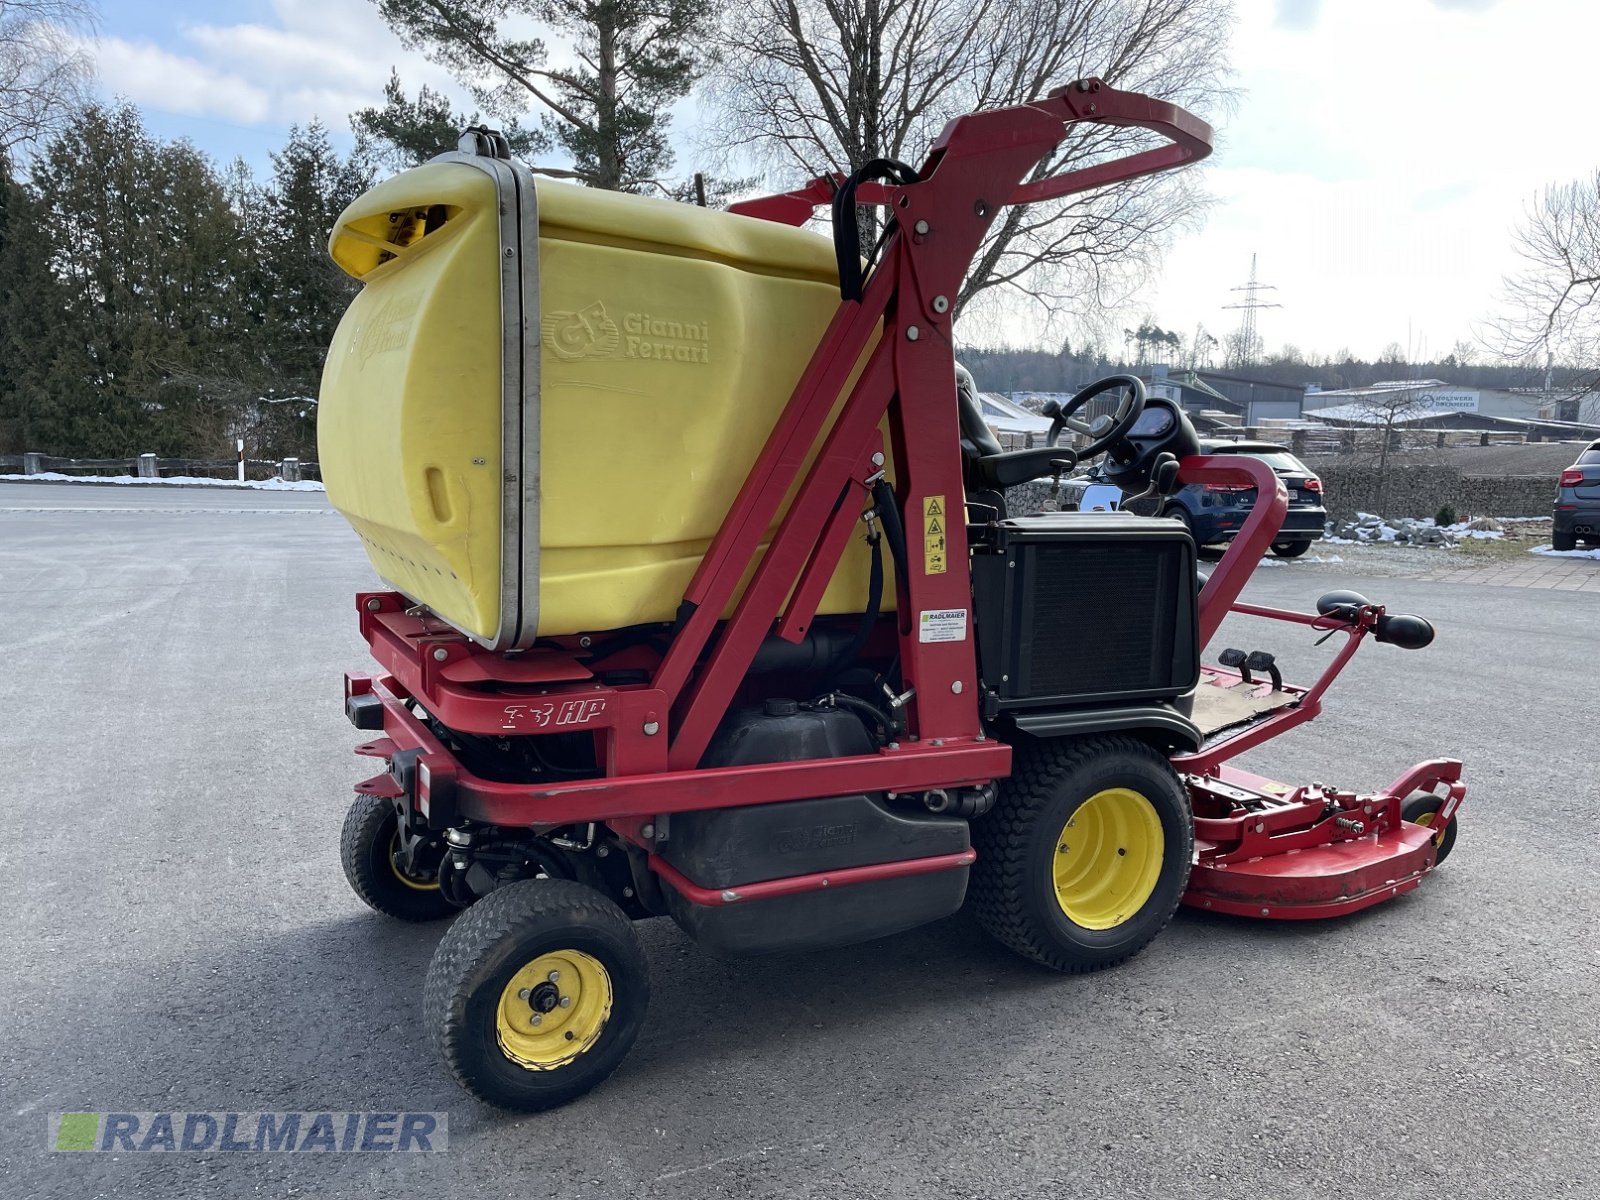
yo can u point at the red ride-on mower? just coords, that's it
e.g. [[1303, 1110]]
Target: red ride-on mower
[[1006, 709]]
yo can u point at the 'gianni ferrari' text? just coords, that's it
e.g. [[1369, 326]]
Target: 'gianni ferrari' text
[[650, 336]]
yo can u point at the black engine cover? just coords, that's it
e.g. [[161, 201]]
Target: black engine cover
[[1087, 608]]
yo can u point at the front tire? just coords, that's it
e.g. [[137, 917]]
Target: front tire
[[367, 847], [1085, 856], [536, 994], [1290, 549]]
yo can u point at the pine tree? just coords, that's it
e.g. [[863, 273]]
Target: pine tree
[[405, 132], [303, 294], [611, 110]]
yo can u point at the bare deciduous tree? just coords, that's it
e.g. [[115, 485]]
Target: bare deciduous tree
[[44, 66], [1385, 416], [823, 85], [1554, 302]]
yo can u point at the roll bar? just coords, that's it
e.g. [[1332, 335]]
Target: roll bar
[[1092, 100]]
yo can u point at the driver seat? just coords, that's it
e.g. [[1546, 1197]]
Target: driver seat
[[988, 465], [977, 440]]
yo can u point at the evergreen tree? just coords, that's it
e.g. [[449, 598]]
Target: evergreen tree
[[140, 243], [30, 413], [302, 293], [611, 109], [405, 132]]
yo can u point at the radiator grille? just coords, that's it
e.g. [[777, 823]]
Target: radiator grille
[[1102, 618], [1087, 608]]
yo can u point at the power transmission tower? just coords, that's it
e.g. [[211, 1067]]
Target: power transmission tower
[[1249, 341]]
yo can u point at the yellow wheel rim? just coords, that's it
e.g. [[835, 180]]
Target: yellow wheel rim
[[1426, 821], [415, 884], [553, 1010], [1108, 858]]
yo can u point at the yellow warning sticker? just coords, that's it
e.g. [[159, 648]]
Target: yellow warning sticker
[[934, 557]]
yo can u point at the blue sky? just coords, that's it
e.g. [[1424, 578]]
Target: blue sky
[[1377, 162]]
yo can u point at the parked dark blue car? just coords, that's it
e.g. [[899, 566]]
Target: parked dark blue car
[[1215, 514]]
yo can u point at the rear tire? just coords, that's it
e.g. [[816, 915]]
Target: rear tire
[[1421, 809], [536, 994], [367, 845], [1563, 541], [1083, 909], [1290, 549]]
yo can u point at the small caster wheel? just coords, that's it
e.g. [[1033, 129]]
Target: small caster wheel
[[536, 994], [368, 846], [1423, 809]]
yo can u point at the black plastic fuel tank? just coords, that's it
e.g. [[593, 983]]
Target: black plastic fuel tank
[[785, 731], [726, 848]]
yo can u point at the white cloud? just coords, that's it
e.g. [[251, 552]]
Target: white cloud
[[155, 78], [313, 58], [1378, 163]]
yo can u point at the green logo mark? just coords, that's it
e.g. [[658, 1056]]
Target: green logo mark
[[77, 1131]]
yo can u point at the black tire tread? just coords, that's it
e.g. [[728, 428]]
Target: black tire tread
[[363, 827], [1425, 802], [1002, 837], [468, 949]]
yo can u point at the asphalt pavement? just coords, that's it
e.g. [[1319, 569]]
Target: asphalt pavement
[[178, 935]]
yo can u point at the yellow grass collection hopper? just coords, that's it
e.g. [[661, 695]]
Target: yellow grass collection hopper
[[543, 401]]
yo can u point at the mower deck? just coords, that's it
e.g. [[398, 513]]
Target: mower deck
[[1264, 849]]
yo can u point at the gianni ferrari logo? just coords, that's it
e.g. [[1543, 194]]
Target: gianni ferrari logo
[[591, 333], [587, 333], [552, 715]]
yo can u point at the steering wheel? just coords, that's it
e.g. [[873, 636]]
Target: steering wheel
[[1101, 435]]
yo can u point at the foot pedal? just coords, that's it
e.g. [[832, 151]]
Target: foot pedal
[[1260, 660], [1238, 660]]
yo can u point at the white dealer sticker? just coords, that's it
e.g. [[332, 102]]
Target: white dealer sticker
[[943, 625]]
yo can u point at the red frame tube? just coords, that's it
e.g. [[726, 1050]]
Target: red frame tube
[[936, 226], [908, 767], [1254, 537], [794, 884]]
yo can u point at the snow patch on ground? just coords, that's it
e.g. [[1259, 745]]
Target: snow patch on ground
[[1548, 552], [262, 485], [1310, 558], [1368, 528]]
